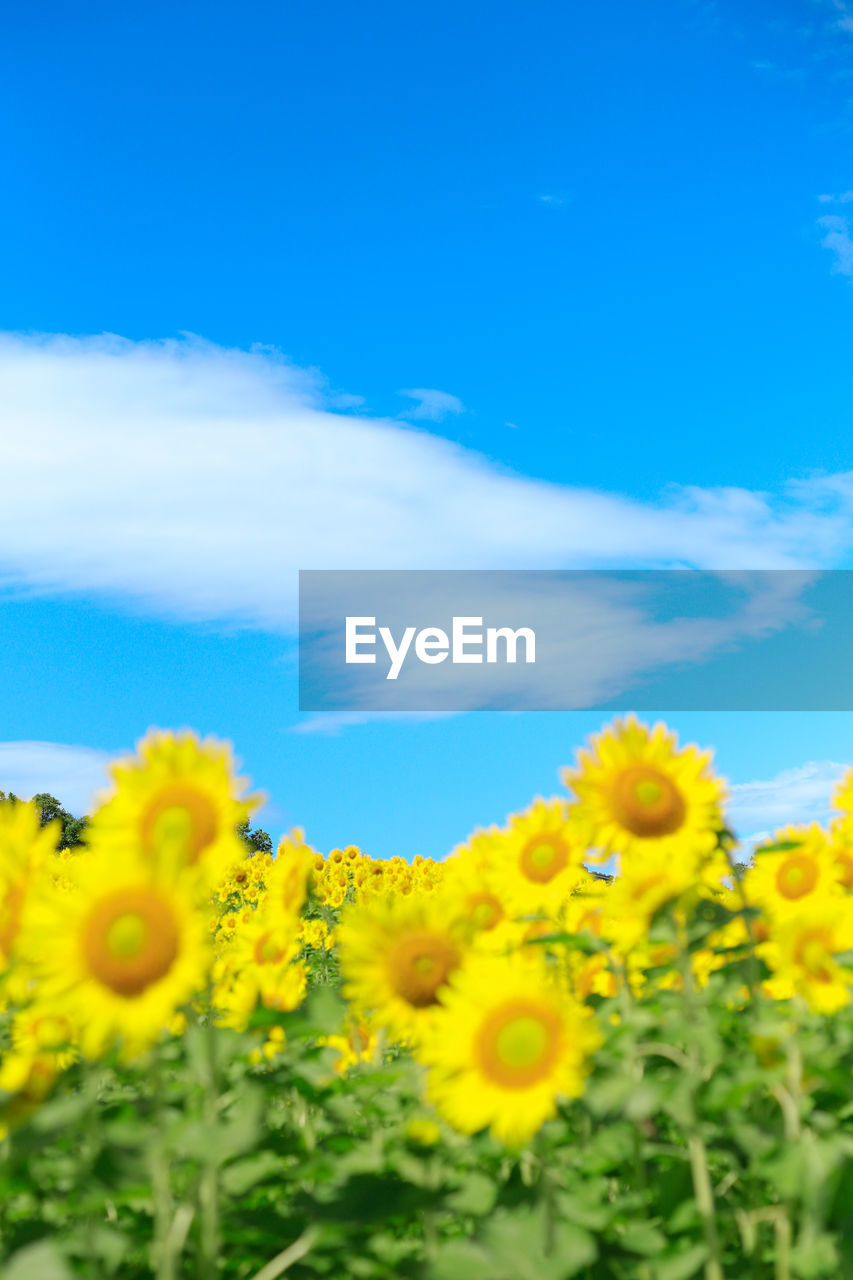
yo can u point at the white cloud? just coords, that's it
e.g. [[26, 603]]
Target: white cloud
[[333, 723], [838, 241], [73, 775], [845, 22], [194, 481], [799, 794], [432, 406]]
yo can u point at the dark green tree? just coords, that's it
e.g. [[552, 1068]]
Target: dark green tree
[[257, 840], [73, 829]]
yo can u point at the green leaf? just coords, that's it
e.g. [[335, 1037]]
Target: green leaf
[[816, 1259], [610, 1095], [644, 1101], [520, 1246], [643, 1238], [41, 1261], [239, 1176], [461, 1260], [585, 942], [325, 1010], [476, 1196], [683, 1265]]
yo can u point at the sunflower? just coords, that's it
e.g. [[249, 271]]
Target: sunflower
[[586, 908], [259, 965], [537, 862], [120, 952], [355, 1044], [288, 879], [841, 852], [26, 1079], [647, 882], [240, 882], [24, 849], [41, 1029], [178, 802], [803, 953], [799, 865], [843, 801], [471, 882], [633, 788], [506, 1045], [315, 935], [395, 958]]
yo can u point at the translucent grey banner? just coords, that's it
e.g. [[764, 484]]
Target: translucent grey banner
[[662, 640]]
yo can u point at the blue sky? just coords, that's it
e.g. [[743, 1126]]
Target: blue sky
[[514, 286]]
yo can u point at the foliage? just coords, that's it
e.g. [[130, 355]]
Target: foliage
[[256, 839], [73, 830]]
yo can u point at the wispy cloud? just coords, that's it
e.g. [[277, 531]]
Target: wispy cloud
[[554, 201], [796, 795], [432, 405], [194, 481], [333, 723], [844, 18], [73, 774], [837, 239], [781, 72]]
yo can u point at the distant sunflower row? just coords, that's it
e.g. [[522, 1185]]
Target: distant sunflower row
[[490, 967]]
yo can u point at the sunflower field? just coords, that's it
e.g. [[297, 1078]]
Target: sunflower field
[[508, 1065]]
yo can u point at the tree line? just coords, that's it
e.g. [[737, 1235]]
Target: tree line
[[73, 830]]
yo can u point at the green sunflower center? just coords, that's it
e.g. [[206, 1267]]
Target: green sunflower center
[[647, 802], [543, 858], [130, 940], [181, 818], [797, 876], [419, 964], [518, 1044]]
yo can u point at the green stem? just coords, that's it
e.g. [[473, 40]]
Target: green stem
[[93, 1143], [209, 1185], [797, 1132], [703, 1191], [549, 1200], [160, 1180], [641, 1176], [284, 1261], [782, 1260], [704, 1196], [5, 1164], [753, 979]]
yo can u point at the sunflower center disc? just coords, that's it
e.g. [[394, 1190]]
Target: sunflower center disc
[[517, 1045], [130, 941], [418, 965], [541, 859], [647, 802], [796, 877], [179, 818]]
